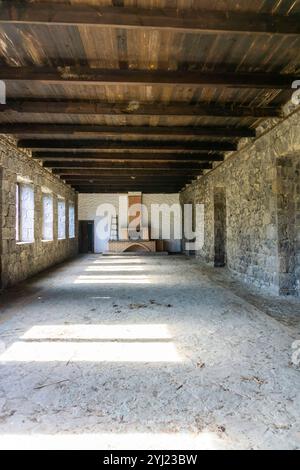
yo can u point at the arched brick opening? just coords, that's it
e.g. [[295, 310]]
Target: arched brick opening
[[136, 247]]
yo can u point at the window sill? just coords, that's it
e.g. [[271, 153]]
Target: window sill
[[47, 241], [25, 243], [61, 239]]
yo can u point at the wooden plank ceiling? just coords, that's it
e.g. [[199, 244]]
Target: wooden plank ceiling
[[125, 95]]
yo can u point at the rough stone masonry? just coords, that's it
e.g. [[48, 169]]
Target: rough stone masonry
[[21, 260], [260, 212]]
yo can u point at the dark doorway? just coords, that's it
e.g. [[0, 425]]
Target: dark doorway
[[220, 227], [86, 236], [1, 187], [288, 217]]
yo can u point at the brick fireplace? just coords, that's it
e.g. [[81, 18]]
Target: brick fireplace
[[134, 237]]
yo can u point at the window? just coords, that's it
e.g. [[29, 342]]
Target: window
[[17, 212], [47, 217], [61, 212], [71, 221], [24, 213]]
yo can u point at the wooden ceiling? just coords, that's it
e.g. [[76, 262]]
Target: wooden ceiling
[[121, 95]]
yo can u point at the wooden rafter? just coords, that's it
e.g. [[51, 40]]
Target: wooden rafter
[[94, 129], [65, 158], [86, 75], [85, 144], [192, 21], [92, 173], [135, 108]]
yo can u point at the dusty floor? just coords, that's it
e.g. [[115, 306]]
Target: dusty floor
[[146, 352]]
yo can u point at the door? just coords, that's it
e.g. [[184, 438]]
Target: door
[[86, 236], [220, 226]]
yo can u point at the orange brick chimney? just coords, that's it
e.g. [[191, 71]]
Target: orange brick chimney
[[135, 199]]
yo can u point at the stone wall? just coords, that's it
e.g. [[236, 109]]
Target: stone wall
[[261, 185], [21, 260], [288, 206]]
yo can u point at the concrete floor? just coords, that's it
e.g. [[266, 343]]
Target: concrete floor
[[146, 352]]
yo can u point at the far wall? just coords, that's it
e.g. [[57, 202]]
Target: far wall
[[88, 204]]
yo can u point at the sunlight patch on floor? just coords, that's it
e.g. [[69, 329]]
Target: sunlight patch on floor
[[146, 331], [93, 343], [108, 441], [90, 352], [112, 279], [108, 268], [119, 261]]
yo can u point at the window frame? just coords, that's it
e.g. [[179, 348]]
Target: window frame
[[46, 194], [20, 186], [72, 207], [61, 200], [18, 213]]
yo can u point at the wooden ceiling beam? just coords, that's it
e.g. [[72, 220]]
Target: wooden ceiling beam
[[150, 172], [132, 182], [170, 19], [124, 189], [133, 178], [86, 75], [135, 108], [130, 177], [137, 165], [51, 158], [92, 144], [175, 187], [94, 129]]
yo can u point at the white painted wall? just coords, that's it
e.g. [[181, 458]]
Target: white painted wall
[[173, 246], [87, 210]]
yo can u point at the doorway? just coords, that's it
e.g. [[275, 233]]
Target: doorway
[[1, 241], [288, 217], [220, 227], [86, 236]]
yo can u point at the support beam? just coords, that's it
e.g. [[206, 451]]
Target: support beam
[[129, 176], [135, 108], [51, 158], [151, 172], [85, 144], [170, 19], [93, 129], [116, 188], [130, 182], [126, 175], [135, 165], [93, 76], [126, 188]]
